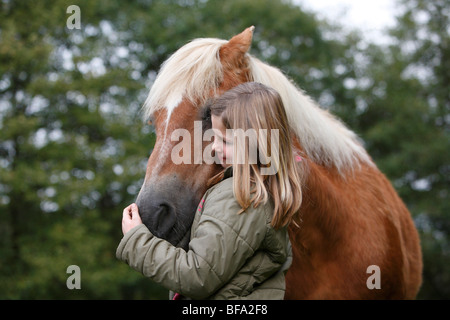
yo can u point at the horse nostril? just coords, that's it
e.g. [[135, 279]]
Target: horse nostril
[[159, 219], [165, 217]]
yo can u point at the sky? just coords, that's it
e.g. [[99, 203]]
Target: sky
[[369, 16]]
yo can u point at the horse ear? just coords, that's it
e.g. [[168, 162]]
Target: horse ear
[[238, 45]]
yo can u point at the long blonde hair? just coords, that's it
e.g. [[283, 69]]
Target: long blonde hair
[[252, 105]]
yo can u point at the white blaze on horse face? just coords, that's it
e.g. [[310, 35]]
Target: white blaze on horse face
[[162, 156], [172, 102]]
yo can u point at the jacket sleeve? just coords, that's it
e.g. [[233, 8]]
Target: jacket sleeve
[[221, 244]]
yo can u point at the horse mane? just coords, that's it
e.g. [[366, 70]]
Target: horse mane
[[195, 71], [323, 137]]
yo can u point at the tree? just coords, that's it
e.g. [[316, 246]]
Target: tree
[[70, 151], [404, 119]]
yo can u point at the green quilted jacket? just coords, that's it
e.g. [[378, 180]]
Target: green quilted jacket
[[230, 256]]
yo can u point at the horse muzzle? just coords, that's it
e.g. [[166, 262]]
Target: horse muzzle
[[167, 210]]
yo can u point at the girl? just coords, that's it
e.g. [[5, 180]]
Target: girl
[[239, 247]]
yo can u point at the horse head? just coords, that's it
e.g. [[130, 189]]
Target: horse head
[[197, 72]]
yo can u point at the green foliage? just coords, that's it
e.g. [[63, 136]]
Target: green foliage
[[73, 152], [73, 146], [421, 56]]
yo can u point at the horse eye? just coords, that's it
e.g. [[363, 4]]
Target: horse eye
[[151, 121], [205, 116]]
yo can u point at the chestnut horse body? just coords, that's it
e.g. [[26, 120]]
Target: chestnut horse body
[[355, 239]]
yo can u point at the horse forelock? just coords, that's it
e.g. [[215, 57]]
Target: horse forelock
[[192, 72]]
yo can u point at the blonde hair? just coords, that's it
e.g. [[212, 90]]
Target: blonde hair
[[252, 105]]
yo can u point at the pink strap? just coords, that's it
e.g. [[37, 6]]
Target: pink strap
[[176, 296]]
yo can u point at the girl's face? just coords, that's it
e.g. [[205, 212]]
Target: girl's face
[[222, 145]]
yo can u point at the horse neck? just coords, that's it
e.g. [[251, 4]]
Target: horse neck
[[322, 209]]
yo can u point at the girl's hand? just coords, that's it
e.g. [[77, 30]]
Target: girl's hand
[[130, 218]]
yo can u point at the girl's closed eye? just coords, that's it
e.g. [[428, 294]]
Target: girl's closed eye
[[222, 140]]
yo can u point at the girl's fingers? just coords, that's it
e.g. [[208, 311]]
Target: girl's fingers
[[134, 211], [127, 212]]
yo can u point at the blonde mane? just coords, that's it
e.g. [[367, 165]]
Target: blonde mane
[[195, 70], [192, 72]]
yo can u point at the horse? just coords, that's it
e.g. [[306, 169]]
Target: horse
[[355, 238]]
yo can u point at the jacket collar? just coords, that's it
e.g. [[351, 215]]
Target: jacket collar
[[228, 172]]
